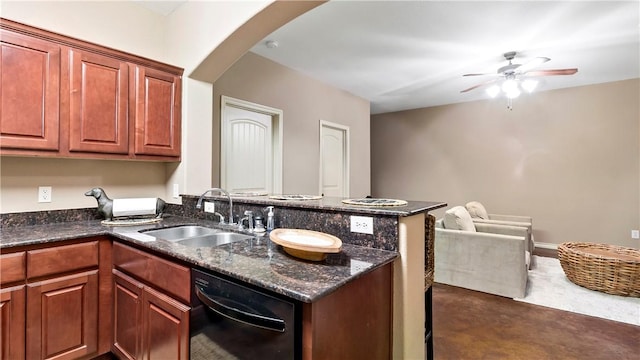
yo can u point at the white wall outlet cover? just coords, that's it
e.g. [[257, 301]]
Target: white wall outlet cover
[[362, 224], [209, 207], [635, 234], [44, 194]]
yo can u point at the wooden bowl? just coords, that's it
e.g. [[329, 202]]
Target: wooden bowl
[[306, 244]]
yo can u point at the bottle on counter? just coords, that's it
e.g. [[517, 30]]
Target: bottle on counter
[[270, 219]]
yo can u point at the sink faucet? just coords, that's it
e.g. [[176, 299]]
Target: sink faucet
[[224, 192]]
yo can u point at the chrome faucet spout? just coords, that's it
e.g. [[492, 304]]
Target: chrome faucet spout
[[223, 192]]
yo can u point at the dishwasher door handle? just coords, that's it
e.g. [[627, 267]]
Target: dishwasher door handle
[[217, 304]]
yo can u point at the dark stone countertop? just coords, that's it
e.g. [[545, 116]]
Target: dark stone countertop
[[257, 261]]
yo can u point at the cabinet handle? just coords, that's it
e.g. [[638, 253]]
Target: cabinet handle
[[230, 309]]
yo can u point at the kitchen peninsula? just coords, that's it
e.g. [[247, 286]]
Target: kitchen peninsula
[[397, 234]]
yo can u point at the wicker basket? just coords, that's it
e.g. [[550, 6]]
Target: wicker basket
[[607, 268]]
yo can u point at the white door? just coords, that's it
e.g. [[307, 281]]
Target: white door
[[250, 159], [334, 159]]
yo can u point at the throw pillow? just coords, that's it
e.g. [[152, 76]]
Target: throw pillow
[[458, 218], [477, 210]]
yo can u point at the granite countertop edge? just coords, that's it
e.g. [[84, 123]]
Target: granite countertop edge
[[328, 203], [308, 281]]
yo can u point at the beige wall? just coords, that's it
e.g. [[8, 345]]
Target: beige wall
[[71, 178], [569, 158], [305, 102], [184, 38]]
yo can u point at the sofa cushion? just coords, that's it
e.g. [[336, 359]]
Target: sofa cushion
[[477, 210], [458, 218]]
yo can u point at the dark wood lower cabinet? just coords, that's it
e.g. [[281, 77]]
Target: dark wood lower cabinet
[[165, 327], [62, 321], [12, 312], [354, 322], [148, 324], [127, 324]]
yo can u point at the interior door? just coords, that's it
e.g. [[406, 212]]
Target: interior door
[[250, 150], [334, 159]]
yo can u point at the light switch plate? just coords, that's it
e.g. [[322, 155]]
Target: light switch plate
[[635, 234], [362, 224]]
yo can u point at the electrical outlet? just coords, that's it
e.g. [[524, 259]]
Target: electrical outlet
[[209, 207], [362, 224], [635, 234], [44, 194]]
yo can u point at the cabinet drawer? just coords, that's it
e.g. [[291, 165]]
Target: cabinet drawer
[[12, 267], [157, 272], [62, 259]]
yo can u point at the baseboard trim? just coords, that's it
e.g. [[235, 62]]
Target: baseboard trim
[[548, 246]]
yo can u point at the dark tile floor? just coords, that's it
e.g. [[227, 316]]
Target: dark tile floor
[[473, 325]]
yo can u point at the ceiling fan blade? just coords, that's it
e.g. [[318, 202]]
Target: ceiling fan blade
[[532, 64], [478, 74], [479, 85], [552, 72]]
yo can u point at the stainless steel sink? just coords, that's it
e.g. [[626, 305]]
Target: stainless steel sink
[[196, 236], [217, 239], [181, 232]]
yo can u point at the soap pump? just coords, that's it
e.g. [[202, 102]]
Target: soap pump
[[270, 220]]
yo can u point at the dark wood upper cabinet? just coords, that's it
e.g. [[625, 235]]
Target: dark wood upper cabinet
[[29, 92], [98, 103], [64, 97], [157, 112]]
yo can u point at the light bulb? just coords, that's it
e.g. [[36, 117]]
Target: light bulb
[[493, 91], [509, 85], [512, 93], [529, 85]]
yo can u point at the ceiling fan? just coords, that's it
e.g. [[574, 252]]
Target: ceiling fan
[[513, 76]]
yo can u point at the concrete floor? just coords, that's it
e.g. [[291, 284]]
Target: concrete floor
[[473, 325]]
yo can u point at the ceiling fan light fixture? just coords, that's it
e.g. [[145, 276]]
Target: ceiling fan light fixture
[[493, 91], [512, 94], [529, 85], [509, 85]]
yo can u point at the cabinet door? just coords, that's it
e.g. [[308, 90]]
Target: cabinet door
[[29, 92], [62, 317], [157, 112], [127, 310], [165, 327], [12, 323], [98, 103]]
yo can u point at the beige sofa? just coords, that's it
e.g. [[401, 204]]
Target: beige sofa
[[484, 257]]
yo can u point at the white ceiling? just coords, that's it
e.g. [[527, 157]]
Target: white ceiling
[[411, 54]]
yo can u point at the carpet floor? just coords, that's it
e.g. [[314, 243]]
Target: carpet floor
[[548, 286], [474, 325]]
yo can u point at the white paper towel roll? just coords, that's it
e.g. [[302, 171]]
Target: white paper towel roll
[[134, 206]]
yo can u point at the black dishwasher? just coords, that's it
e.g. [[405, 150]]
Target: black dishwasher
[[233, 321]]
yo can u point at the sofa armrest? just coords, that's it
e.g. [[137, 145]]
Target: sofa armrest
[[507, 228], [503, 222], [514, 218], [489, 227]]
